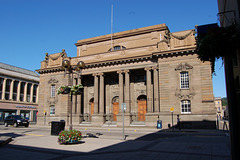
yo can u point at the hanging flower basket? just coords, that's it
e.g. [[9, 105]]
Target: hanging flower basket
[[66, 90], [69, 137], [77, 89], [63, 90]]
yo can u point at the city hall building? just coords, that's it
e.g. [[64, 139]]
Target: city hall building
[[18, 92], [154, 72]]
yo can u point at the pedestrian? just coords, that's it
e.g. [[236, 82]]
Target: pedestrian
[[178, 122]]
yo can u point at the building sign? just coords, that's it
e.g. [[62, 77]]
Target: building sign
[[31, 107]]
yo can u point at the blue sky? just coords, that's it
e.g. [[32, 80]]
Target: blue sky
[[30, 28]]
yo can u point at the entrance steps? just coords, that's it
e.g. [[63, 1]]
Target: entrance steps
[[110, 124], [138, 124]]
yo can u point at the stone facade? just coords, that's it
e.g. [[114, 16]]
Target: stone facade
[[149, 69], [18, 92]]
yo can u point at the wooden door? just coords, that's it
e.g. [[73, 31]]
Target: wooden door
[[142, 108], [115, 110], [92, 108]]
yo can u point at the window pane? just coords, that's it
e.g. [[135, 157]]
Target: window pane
[[184, 80], [53, 90], [52, 110], [186, 106]]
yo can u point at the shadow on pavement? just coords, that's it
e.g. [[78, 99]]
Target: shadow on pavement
[[163, 144]]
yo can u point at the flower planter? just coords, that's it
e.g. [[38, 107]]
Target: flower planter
[[69, 137]]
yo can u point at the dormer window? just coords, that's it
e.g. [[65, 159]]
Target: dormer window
[[115, 48]]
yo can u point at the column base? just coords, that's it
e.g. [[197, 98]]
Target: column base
[[76, 119], [127, 119]]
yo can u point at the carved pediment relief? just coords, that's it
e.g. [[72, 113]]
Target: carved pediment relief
[[52, 100], [183, 66], [185, 95], [141, 92], [51, 81]]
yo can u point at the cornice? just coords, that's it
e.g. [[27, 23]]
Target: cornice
[[154, 55], [123, 34], [176, 52], [50, 70]]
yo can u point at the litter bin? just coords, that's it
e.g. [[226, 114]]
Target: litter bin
[[57, 127], [159, 124]]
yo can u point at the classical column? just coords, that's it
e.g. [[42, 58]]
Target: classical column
[[120, 89], [4, 88], [107, 99], [11, 90], [149, 95], [101, 92], [95, 93], [31, 93], [127, 91], [18, 90], [156, 90], [25, 92], [79, 99], [37, 94], [86, 108]]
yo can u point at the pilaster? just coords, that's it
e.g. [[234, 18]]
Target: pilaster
[[95, 93], [149, 94]]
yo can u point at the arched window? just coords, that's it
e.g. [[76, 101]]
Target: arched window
[[185, 106], [115, 48], [142, 98], [115, 99]]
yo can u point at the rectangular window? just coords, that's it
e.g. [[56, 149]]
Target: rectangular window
[[28, 92], [34, 93], [185, 106], [15, 88], [52, 110], [22, 91], [184, 80], [53, 90], [1, 87], [8, 86]]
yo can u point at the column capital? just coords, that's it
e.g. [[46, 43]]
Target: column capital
[[126, 71], [101, 74], [120, 71], [155, 67], [148, 68], [94, 74]]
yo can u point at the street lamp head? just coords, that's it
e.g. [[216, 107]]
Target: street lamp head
[[66, 63], [80, 65]]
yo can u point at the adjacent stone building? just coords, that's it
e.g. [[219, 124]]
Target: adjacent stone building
[[149, 69], [18, 92]]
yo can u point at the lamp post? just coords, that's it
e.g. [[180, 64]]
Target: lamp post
[[67, 66]]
